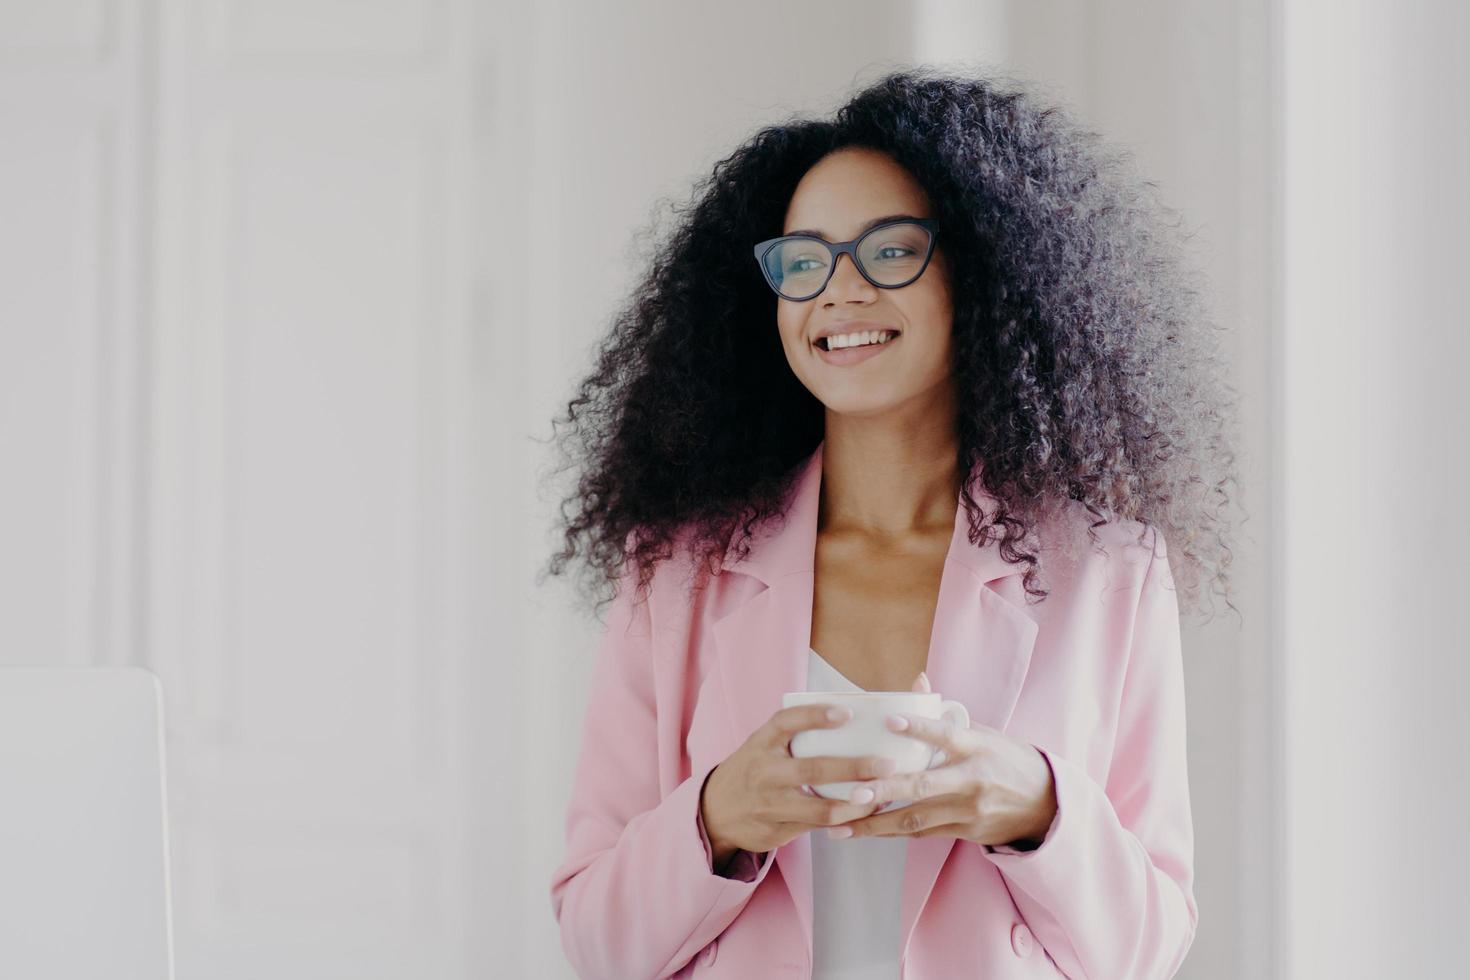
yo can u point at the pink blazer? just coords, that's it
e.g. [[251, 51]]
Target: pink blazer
[[1092, 677]]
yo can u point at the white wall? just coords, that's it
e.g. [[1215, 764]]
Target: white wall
[[1373, 472], [237, 276]]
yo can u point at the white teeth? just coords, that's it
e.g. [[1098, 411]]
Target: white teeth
[[839, 341]]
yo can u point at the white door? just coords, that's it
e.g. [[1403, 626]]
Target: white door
[[241, 430]]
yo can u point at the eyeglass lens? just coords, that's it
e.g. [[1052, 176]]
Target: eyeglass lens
[[892, 255]]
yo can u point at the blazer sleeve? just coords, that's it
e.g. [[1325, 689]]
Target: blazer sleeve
[[636, 896], [1109, 892]]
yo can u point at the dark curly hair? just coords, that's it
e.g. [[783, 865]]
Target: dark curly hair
[[1084, 364]]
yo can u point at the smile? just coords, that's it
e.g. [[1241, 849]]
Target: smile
[[852, 355]]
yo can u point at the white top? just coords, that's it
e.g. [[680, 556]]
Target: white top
[[857, 885]]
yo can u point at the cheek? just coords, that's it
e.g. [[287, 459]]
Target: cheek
[[790, 326], [786, 320], [938, 308], [931, 325]]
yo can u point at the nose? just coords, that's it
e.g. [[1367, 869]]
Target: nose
[[847, 281]]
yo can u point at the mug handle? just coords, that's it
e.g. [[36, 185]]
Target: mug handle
[[953, 711]]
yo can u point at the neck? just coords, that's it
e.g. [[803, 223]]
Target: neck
[[888, 478]]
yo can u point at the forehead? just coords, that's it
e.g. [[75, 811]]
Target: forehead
[[848, 188]]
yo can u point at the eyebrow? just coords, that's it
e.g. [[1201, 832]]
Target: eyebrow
[[867, 227]]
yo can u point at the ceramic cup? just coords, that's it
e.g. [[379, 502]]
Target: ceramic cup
[[866, 732]]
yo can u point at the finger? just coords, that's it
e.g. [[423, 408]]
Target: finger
[[940, 732], [958, 828], [921, 683], [800, 717], [818, 811], [919, 819], [920, 785], [815, 769]]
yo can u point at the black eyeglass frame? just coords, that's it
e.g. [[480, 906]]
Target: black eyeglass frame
[[837, 249]]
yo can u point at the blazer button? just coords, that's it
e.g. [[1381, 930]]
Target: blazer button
[[708, 956], [1021, 939]]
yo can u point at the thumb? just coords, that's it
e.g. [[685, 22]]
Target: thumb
[[921, 683]]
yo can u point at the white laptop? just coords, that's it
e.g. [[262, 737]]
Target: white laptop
[[84, 881]]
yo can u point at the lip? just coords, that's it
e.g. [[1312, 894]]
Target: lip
[[855, 355]]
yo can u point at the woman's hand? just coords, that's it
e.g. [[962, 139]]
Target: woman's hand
[[991, 788], [755, 801]]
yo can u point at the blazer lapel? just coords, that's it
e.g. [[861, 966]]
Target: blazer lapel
[[979, 652]]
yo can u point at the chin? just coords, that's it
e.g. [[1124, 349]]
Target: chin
[[858, 408]]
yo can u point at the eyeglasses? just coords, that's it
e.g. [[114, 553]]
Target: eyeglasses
[[890, 255]]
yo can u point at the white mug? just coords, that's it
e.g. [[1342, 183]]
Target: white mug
[[866, 733]]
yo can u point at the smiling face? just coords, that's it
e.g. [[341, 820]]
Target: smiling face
[[837, 199]]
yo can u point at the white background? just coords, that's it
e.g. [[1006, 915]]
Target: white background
[[291, 289]]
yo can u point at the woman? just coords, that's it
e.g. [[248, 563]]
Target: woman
[[1020, 390]]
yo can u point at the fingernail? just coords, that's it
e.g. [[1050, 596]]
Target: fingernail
[[837, 833], [861, 795], [836, 714], [897, 722], [924, 680]]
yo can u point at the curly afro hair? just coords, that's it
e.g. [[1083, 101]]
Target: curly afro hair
[[1084, 365]]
